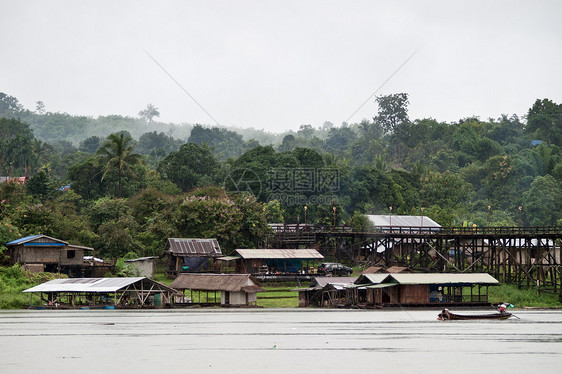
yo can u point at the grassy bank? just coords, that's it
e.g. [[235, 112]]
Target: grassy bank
[[13, 280], [278, 297], [524, 297]]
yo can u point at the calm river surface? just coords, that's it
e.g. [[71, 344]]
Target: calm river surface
[[276, 341]]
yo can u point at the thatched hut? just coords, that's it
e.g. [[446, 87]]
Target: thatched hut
[[235, 289]]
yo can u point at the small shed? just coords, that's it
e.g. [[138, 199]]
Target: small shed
[[190, 255], [235, 289], [276, 261], [326, 291], [134, 292], [39, 253], [144, 266]]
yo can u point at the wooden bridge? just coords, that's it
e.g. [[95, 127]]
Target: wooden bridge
[[526, 256]]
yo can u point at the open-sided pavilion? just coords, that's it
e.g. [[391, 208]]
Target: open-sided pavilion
[[102, 292]]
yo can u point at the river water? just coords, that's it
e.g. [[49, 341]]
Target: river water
[[276, 341]]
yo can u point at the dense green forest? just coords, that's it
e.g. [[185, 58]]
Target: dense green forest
[[122, 184]]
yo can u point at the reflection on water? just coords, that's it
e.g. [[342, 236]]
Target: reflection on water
[[293, 341]]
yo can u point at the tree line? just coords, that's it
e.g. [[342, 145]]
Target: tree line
[[122, 192]]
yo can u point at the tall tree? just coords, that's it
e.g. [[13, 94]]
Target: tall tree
[[116, 154], [541, 202], [149, 113], [544, 121], [16, 146], [9, 105], [40, 107], [90, 144], [393, 111], [340, 138], [225, 143], [191, 166]]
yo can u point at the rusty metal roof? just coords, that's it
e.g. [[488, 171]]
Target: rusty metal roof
[[216, 282], [373, 270], [398, 269], [304, 254], [381, 270], [193, 247], [94, 285]]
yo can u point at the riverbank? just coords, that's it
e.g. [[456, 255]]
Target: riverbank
[[13, 280]]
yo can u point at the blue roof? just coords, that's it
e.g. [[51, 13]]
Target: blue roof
[[23, 240], [26, 241]]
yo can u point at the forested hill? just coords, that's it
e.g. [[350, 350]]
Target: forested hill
[[132, 182], [62, 127]]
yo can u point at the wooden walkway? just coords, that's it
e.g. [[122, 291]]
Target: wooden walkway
[[526, 256]]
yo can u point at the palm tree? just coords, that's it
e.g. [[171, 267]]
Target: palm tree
[[116, 153], [380, 164]]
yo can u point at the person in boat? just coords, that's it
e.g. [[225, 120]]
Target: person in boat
[[501, 308], [445, 314]]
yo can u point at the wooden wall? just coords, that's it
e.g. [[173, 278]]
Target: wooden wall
[[414, 294], [47, 255]]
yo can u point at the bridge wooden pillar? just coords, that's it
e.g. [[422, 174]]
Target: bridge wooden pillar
[[388, 252]]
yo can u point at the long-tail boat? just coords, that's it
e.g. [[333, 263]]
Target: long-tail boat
[[446, 315]]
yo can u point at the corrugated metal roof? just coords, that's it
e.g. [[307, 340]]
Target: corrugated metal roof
[[70, 246], [228, 258], [23, 240], [372, 278], [92, 285], [427, 278], [216, 282], [381, 285], [304, 254], [322, 281], [141, 259], [404, 221], [444, 278], [30, 240], [194, 247]]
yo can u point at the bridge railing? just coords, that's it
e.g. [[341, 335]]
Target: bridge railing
[[417, 230]]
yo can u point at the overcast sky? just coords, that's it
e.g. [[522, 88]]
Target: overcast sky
[[276, 65]]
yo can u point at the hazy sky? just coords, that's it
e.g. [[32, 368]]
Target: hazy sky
[[276, 65]]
